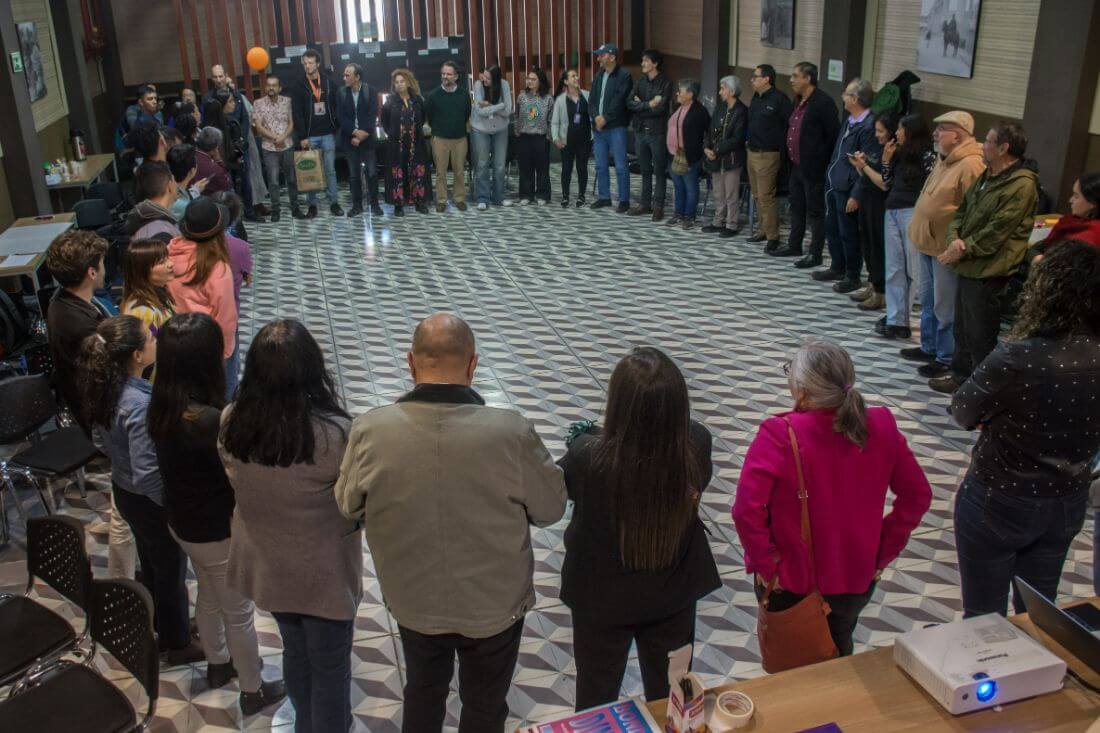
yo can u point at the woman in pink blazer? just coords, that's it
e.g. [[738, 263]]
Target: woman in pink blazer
[[850, 455]]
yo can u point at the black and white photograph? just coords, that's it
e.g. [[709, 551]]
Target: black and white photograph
[[777, 23], [948, 34], [32, 61]]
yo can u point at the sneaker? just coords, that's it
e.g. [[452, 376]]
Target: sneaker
[[441, 208], [219, 675], [268, 694], [640, 211], [846, 285], [580, 202], [336, 210], [658, 213], [523, 202], [311, 212], [482, 207], [296, 213], [863, 293], [876, 302], [711, 229], [274, 215], [688, 223], [422, 208], [601, 203], [542, 202], [622, 208], [673, 220], [187, 655], [376, 210], [757, 238], [507, 202], [916, 353], [565, 202], [827, 275], [728, 233], [355, 211], [460, 205], [933, 369], [946, 384]]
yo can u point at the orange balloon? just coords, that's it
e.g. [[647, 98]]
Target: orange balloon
[[257, 58]]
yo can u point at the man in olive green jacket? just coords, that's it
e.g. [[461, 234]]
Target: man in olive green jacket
[[988, 240]]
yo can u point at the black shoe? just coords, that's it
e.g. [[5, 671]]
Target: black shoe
[[728, 233], [218, 675], [639, 210], [268, 694], [398, 210], [673, 220], [933, 369], [786, 251], [772, 246], [580, 202], [711, 229], [296, 213], [658, 214], [422, 208], [880, 326], [187, 655], [898, 332], [565, 202], [916, 353], [376, 210], [355, 211], [946, 384], [254, 218], [846, 286], [808, 261], [274, 215], [601, 203], [827, 275], [311, 212], [622, 208], [336, 210], [758, 238]]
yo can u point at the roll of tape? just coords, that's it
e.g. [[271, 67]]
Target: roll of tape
[[731, 710]]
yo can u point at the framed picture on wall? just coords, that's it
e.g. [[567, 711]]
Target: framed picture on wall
[[32, 61], [948, 34], [777, 23]]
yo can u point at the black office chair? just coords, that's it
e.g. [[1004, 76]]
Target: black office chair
[[73, 697], [92, 214], [28, 405], [30, 633], [111, 193]]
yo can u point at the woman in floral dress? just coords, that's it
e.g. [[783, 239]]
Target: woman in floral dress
[[407, 151]]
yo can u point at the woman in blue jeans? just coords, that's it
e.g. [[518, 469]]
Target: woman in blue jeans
[[291, 551], [489, 135], [1034, 400], [687, 127]]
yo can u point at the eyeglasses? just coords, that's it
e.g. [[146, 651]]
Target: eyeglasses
[[787, 368]]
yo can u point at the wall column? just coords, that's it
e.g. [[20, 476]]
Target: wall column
[[18, 136], [842, 40], [69, 31], [715, 46]]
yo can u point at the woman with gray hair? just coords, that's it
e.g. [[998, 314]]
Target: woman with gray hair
[[208, 162], [686, 128], [850, 454], [725, 156]]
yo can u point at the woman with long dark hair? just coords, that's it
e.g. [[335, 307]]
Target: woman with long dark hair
[[533, 107], [282, 441], [184, 419], [1033, 399], [636, 553], [872, 215], [402, 118], [571, 131], [115, 403], [147, 270], [492, 111], [850, 454], [1083, 220]]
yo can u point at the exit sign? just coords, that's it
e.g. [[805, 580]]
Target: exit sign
[[16, 62]]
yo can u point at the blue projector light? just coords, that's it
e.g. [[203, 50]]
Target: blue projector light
[[986, 690]]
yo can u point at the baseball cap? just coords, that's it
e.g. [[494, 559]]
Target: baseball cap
[[957, 117], [610, 48]]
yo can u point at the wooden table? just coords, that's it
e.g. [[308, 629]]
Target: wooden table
[[88, 171], [27, 244], [868, 693]]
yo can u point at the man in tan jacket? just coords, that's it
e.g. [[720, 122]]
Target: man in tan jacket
[[447, 489], [959, 166]]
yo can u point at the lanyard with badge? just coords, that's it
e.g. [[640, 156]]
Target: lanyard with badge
[[318, 105]]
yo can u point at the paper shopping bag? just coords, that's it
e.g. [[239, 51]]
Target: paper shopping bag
[[308, 172]]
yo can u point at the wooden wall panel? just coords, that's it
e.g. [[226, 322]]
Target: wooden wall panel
[[677, 27], [54, 106], [1002, 59], [808, 24]]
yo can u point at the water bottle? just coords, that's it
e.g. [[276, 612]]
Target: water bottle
[[76, 139]]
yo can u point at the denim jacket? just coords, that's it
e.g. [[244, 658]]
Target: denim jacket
[[127, 443]]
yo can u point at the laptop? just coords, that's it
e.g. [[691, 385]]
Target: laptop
[[1077, 629]]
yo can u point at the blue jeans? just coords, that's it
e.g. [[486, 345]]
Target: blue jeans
[[233, 369], [327, 145], [490, 151], [899, 278], [610, 144], [687, 191], [317, 670], [938, 284], [842, 236], [999, 536]]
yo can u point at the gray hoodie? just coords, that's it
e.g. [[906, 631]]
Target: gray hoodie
[[150, 221]]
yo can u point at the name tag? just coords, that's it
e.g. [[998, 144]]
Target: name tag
[[576, 118], [318, 108]]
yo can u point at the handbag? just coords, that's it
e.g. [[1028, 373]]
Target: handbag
[[799, 635], [680, 166]]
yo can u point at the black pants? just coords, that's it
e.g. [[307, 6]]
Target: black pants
[[978, 305], [575, 155], [843, 615], [163, 566], [999, 536], [361, 160], [872, 237], [601, 653], [807, 199], [652, 149], [533, 155], [485, 668]]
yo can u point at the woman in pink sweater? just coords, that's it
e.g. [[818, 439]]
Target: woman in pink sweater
[[203, 281], [850, 455]]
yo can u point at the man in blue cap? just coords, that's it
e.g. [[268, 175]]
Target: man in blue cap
[[607, 104]]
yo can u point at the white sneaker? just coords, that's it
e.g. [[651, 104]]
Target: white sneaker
[[522, 202], [507, 202], [482, 207], [542, 202]]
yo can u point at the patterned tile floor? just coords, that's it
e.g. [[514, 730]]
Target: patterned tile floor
[[556, 297]]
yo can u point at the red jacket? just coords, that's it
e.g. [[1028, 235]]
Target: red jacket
[[847, 495], [1073, 227]]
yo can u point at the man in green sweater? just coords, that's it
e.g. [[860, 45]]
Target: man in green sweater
[[987, 242], [447, 110]]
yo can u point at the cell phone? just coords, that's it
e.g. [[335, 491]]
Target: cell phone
[[850, 155]]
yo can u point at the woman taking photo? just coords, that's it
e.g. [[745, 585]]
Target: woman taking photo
[[872, 214], [686, 128], [1033, 399], [282, 441], [492, 112], [636, 554], [184, 418], [115, 403], [533, 107], [571, 130], [203, 281], [850, 455], [146, 274], [725, 157], [403, 120]]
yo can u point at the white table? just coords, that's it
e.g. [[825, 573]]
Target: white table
[[23, 248]]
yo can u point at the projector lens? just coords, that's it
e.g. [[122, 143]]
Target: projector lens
[[986, 690]]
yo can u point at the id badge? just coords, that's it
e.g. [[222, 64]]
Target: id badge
[[318, 108], [576, 118]]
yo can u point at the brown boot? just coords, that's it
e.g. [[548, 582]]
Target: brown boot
[[877, 301], [658, 214]]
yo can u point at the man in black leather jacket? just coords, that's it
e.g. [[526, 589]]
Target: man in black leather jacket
[[650, 104]]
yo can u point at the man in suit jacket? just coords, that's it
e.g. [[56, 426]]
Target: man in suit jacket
[[358, 114], [446, 489]]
